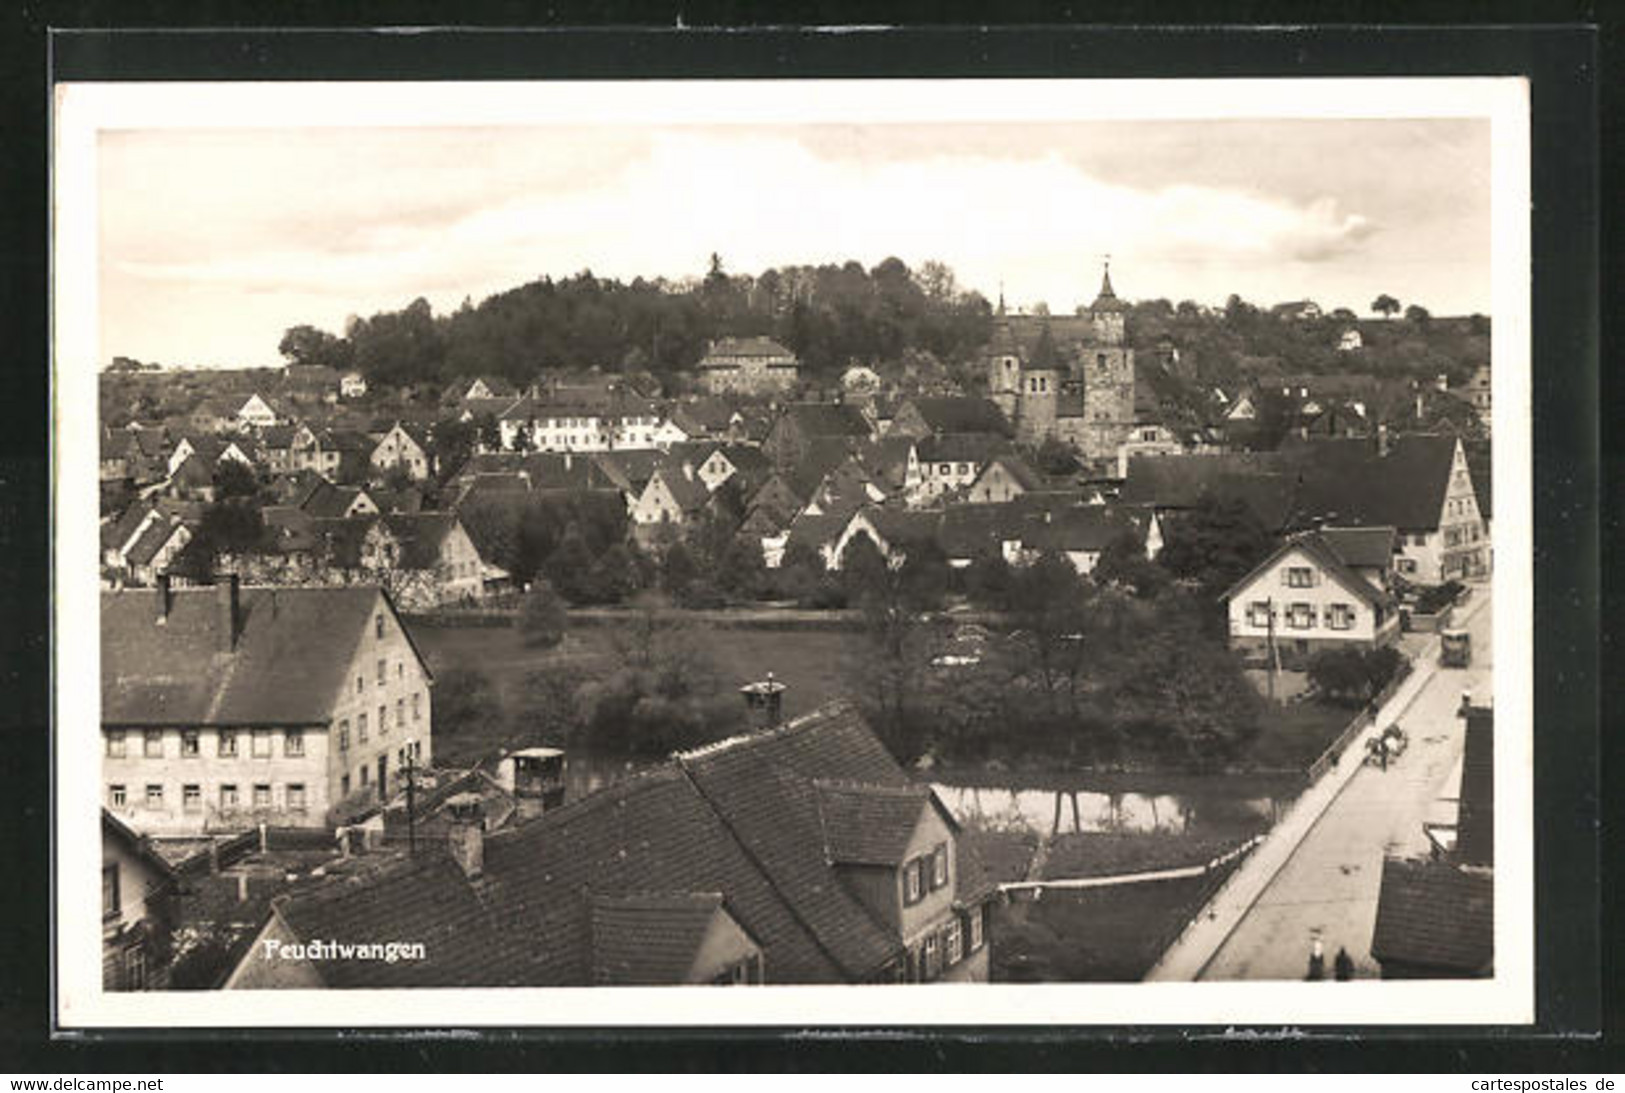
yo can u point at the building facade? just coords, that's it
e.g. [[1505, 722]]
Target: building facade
[[748, 366]]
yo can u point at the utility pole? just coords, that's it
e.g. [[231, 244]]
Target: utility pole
[[411, 805], [1275, 653]]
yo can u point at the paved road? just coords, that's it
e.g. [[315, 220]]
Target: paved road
[[1330, 882]]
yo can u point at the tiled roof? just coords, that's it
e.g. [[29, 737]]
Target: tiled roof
[[1362, 548], [961, 415], [1347, 482], [961, 447], [1475, 823], [976, 531], [1018, 469], [420, 535], [743, 347], [327, 501], [159, 532], [868, 824], [820, 419], [1435, 915], [1082, 528], [1481, 467], [649, 939], [293, 650], [689, 492], [619, 886], [1314, 545]]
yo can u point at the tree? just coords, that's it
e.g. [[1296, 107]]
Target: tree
[[863, 567], [1123, 564], [1417, 315], [571, 565], [1055, 457], [1385, 305], [542, 618], [488, 432], [306, 345], [1214, 545], [235, 480], [464, 700], [1049, 606]]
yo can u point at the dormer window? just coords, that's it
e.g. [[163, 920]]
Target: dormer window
[[939, 867]]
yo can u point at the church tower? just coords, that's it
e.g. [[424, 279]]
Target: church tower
[[1004, 365], [1108, 375]]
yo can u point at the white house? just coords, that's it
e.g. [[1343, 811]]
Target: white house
[[405, 448], [257, 413], [1350, 341], [352, 385], [1306, 597]]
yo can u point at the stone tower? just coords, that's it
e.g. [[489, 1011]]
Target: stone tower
[[1004, 365], [1108, 376]]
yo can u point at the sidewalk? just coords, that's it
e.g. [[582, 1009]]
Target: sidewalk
[[1339, 874]]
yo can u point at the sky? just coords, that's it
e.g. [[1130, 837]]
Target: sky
[[213, 241]]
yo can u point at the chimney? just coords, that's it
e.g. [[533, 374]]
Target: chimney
[[466, 836], [765, 700], [165, 598], [1382, 438], [229, 606]]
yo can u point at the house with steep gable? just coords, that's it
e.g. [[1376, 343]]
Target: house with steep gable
[[801, 854], [231, 706], [139, 893]]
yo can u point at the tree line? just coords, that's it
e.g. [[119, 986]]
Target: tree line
[[829, 315]]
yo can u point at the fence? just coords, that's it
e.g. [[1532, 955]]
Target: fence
[[1362, 721]]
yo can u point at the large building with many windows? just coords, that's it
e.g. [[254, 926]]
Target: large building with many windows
[[230, 706]]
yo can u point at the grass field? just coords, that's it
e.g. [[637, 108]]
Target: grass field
[[1292, 737]]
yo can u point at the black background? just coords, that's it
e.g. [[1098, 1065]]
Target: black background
[[1576, 967]]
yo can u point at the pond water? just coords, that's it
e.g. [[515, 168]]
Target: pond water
[[1218, 805]]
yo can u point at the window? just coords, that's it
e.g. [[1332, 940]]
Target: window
[[931, 957], [192, 797], [939, 867], [363, 774], [110, 900], [1340, 616], [115, 744], [1301, 616], [361, 728], [153, 744], [117, 795], [974, 919], [262, 795], [360, 684], [189, 743], [296, 796], [954, 943], [260, 742], [135, 969], [383, 720], [400, 666], [1258, 613], [293, 743], [913, 883], [344, 785], [383, 672], [1299, 576], [228, 796], [400, 713], [378, 625], [1407, 565], [344, 735], [155, 796]]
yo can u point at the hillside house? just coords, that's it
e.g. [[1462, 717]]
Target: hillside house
[[1350, 341], [802, 854], [352, 385], [674, 497], [258, 412], [230, 706], [138, 910], [1307, 597], [1082, 533], [406, 447], [748, 366]]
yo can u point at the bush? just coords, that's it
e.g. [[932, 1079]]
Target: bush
[[1435, 598], [1352, 677], [542, 619]]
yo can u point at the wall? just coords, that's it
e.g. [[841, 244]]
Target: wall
[[209, 770], [996, 484], [255, 972], [403, 679], [725, 944]]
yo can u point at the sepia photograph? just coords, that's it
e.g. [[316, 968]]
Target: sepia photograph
[[1065, 540]]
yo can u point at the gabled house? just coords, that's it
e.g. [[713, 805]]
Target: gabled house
[[230, 706], [739, 463], [802, 425], [1082, 533], [404, 446], [944, 464], [139, 894], [894, 532], [802, 854], [258, 412], [674, 497], [1307, 597], [211, 450], [923, 417], [1005, 477], [352, 385], [483, 389]]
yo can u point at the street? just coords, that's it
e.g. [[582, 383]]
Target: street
[[1329, 884]]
